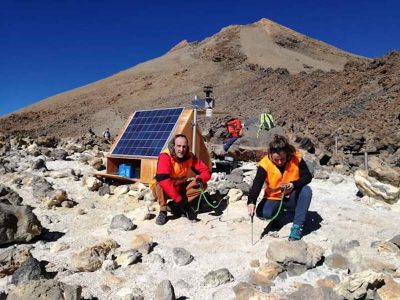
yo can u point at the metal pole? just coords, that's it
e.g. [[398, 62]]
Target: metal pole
[[366, 160], [194, 130], [252, 230]]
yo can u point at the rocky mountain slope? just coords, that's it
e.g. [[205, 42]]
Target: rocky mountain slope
[[310, 87]]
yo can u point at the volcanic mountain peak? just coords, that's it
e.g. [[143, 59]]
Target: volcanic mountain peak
[[250, 66], [180, 45]]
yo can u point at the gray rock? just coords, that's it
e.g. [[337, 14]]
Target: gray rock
[[305, 143], [309, 292], [41, 187], [395, 240], [182, 284], [18, 224], [244, 187], [109, 265], [285, 252], [218, 277], [103, 190], [182, 257], [383, 172], [295, 269], [343, 247], [245, 291], [357, 285], [337, 261], [59, 154], [337, 179], [31, 269], [324, 158], [45, 289], [8, 196], [237, 171], [164, 291], [154, 258], [47, 141], [12, 258], [122, 222], [128, 257], [39, 164], [90, 259], [235, 178], [45, 151], [321, 174], [67, 204], [137, 294]]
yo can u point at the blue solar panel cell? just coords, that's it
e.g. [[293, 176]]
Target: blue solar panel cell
[[148, 132]]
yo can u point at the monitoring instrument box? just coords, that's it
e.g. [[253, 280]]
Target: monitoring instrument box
[[126, 171]]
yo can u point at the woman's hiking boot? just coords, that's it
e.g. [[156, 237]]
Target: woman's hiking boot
[[295, 233]]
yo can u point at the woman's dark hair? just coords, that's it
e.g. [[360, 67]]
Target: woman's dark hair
[[280, 143]]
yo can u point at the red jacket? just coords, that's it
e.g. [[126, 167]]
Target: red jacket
[[167, 167]]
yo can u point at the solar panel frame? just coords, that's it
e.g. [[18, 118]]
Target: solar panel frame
[[147, 133]]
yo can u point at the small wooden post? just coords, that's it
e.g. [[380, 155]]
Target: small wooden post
[[366, 160], [336, 143]]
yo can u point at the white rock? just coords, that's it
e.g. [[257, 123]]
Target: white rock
[[376, 189], [58, 247], [138, 186], [120, 190], [234, 195]]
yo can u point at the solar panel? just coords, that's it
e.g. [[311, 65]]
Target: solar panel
[[148, 132]]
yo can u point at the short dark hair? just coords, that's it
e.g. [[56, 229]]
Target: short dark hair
[[178, 136], [280, 143], [171, 143]]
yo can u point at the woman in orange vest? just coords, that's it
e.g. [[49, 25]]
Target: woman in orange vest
[[283, 171]]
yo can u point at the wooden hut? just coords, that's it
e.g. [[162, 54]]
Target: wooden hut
[[143, 163]]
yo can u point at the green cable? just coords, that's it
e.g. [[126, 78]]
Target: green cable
[[203, 195], [279, 209]]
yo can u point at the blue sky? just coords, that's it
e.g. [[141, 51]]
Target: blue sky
[[51, 46]]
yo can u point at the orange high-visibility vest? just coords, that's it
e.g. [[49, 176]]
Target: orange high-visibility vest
[[275, 178], [180, 170]]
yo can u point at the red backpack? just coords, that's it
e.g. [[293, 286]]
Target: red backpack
[[234, 127]]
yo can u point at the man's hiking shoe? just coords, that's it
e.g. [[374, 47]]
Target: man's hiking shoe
[[295, 233], [173, 208], [190, 215], [161, 218]]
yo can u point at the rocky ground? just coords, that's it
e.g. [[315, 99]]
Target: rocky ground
[[97, 241]]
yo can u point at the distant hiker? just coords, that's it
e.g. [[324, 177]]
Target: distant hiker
[[235, 130], [107, 134], [173, 166], [266, 122], [283, 171]]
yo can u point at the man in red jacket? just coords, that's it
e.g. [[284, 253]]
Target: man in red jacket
[[172, 180]]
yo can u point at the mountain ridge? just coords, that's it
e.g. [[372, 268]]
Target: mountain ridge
[[250, 71]]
